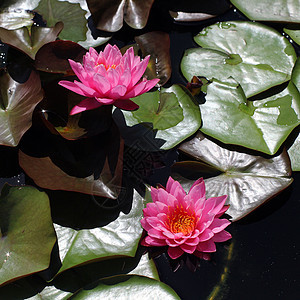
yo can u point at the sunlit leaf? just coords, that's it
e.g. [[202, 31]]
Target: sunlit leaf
[[53, 57], [262, 125], [270, 10], [172, 112], [18, 101], [156, 44], [15, 18], [235, 49], [294, 34], [294, 152], [118, 238], [296, 74], [108, 14], [30, 42], [51, 292], [27, 234], [129, 287], [71, 14], [248, 180]]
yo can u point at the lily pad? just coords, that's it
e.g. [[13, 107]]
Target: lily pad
[[270, 10], [235, 49], [30, 42], [248, 180], [294, 152], [118, 238], [11, 19], [108, 14], [262, 125], [18, 101], [294, 34], [27, 235], [296, 74], [71, 14], [172, 112], [129, 287]]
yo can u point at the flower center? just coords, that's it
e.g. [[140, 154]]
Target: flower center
[[113, 66], [181, 221]]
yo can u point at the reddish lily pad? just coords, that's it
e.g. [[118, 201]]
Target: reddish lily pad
[[108, 14], [31, 42], [18, 101], [27, 235], [249, 180]]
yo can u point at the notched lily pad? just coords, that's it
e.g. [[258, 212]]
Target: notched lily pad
[[108, 14], [171, 112], [71, 14], [17, 101], [270, 10], [156, 44], [129, 287], [248, 180], [262, 125], [119, 238], [27, 235], [235, 49], [30, 42]]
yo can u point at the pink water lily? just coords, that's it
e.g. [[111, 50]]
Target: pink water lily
[[109, 78], [185, 222]]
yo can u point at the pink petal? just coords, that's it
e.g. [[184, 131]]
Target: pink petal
[[78, 70], [73, 87], [154, 194], [125, 78], [208, 246], [145, 224], [149, 241], [86, 104], [105, 101], [222, 236], [128, 58], [220, 201], [192, 242], [139, 70], [93, 53], [126, 104], [175, 188], [206, 235], [117, 92], [101, 84], [188, 248], [197, 191], [222, 211], [136, 90], [175, 252], [156, 234], [218, 225], [113, 77], [89, 92]]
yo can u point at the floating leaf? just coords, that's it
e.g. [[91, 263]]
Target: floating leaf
[[53, 57], [270, 10], [262, 125], [294, 34], [296, 74], [248, 180], [294, 152], [27, 235], [18, 101], [31, 42], [235, 49], [51, 292], [15, 18], [71, 14], [118, 238], [108, 14], [171, 111], [129, 287], [156, 44]]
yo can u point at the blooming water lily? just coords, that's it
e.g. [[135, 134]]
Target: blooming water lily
[[109, 78], [185, 222]]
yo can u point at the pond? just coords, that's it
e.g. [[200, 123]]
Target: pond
[[76, 174]]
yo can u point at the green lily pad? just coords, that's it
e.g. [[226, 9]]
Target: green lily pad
[[294, 152], [30, 42], [294, 34], [235, 49], [118, 238], [262, 125], [172, 112], [27, 234], [17, 102], [248, 180], [296, 74], [270, 10], [71, 14], [129, 287]]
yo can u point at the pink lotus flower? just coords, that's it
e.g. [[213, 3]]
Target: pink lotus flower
[[109, 78], [185, 222]]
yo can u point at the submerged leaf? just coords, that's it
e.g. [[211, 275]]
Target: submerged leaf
[[27, 235], [17, 101], [235, 49], [129, 287], [262, 125], [248, 180]]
